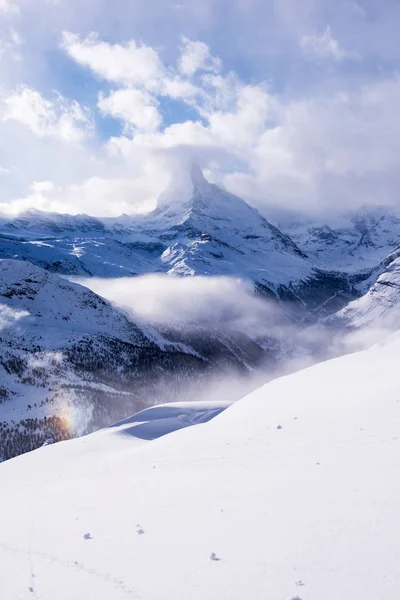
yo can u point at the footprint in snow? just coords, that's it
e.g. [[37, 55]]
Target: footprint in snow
[[139, 530], [87, 536], [214, 557]]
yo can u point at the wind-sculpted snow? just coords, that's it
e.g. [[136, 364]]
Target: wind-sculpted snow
[[290, 493], [157, 421]]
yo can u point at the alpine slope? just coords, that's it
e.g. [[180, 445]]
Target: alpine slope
[[72, 361], [291, 493]]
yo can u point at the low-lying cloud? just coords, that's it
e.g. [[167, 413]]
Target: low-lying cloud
[[230, 305], [213, 302], [10, 316]]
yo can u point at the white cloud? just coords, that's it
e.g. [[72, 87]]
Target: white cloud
[[15, 38], [9, 316], [129, 63], [135, 107], [226, 304], [42, 187], [328, 151], [9, 7], [61, 119], [213, 302], [113, 196], [314, 147], [10, 45], [195, 56], [323, 46], [137, 66], [232, 121], [109, 197]]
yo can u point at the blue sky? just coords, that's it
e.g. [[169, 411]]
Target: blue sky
[[287, 103]]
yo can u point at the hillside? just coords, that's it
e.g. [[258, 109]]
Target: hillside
[[71, 362], [290, 493]]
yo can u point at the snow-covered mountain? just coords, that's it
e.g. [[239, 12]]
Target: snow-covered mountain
[[71, 362], [353, 242], [292, 493], [197, 229], [65, 350], [380, 305]]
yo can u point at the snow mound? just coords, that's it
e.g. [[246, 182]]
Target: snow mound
[[157, 421]]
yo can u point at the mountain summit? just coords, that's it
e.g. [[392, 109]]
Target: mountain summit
[[198, 228]]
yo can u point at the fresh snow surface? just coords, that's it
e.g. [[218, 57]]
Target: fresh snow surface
[[292, 492]]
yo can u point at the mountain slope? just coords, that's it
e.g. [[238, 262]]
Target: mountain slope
[[353, 242], [291, 493], [71, 362], [379, 307], [197, 229]]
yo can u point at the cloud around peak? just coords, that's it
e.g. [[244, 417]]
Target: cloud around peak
[[138, 98]]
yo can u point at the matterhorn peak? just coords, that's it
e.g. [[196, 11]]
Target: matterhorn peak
[[184, 183], [197, 175]]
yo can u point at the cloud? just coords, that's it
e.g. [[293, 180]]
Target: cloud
[[261, 119], [10, 44], [330, 150], [9, 7], [42, 187], [58, 118], [110, 197], [323, 46], [226, 305], [129, 63], [134, 107], [139, 67], [10, 316], [219, 303], [195, 56]]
